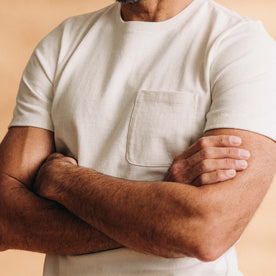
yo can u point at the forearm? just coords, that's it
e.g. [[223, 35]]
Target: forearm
[[166, 218], [145, 216], [35, 224]]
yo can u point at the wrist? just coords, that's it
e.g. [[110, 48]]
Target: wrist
[[53, 178], [62, 179]]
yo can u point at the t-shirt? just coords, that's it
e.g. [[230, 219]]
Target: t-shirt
[[124, 98]]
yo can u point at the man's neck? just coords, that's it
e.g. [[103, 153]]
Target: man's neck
[[153, 10]]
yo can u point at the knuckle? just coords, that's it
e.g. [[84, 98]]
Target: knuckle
[[224, 140], [204, 166], [204, 153], [203, 142], [178, 173], [208, 152], [174, 171], [220, 175], [186, 163], [230, 152], [203, 179], [230, 163]]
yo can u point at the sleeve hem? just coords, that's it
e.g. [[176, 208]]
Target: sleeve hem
[[31, 124], [263, 132]]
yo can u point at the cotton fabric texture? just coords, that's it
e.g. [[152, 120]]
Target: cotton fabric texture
[[124, 98]]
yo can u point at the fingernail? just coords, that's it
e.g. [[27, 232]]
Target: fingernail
[[241, 164], [231, 173], [234, 140], [244, 153]]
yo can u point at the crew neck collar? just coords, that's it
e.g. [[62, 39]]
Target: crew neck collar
[[146, 26]]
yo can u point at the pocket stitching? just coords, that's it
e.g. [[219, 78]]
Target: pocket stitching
[[132, 123]]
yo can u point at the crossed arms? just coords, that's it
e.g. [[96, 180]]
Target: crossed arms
[[169, 219]]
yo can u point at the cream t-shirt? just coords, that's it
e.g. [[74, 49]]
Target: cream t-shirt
[[125, 97]]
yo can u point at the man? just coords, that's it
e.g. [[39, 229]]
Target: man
[[124, 91]]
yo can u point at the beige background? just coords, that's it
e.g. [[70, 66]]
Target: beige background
[[23, 24]]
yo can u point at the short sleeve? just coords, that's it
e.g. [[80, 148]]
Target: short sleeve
[[243, 81], [34, 98]]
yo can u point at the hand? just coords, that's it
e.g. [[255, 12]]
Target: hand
[[210, 160], [50, 174]]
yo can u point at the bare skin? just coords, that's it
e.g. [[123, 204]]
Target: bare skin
[[207, 164], [30, 222], [193, 212], [169, 219], [153, 10]]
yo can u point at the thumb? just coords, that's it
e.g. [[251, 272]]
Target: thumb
[[70, 160]]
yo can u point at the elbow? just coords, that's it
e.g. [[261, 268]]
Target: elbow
[[212, 231], [201, 232], [200, 245], [211, 241], [202, 249], [208, 247], [204, 241]]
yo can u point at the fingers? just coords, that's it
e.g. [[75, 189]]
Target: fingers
[[70, 160], [64, 158], [211, 141], [212, 165], [54, 155], [218, 153], [210, 158], [214, 177]]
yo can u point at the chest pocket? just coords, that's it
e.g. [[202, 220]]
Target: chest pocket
[[160, 127]]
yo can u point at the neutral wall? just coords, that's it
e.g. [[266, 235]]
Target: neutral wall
[[22, 24]]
